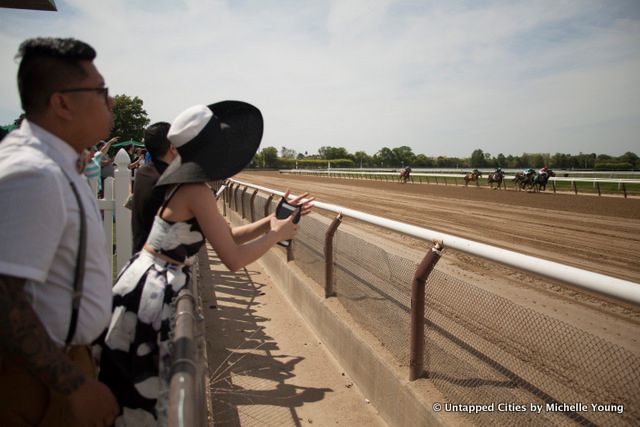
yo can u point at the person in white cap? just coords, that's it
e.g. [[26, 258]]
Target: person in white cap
[[213, 143]]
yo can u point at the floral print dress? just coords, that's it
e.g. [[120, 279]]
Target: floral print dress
[[134, 351]]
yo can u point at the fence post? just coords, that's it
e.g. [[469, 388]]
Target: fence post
[[242, 201], [328, 256], [575, 187], [416, 355], [123, 215], [107, 217], [225, 197], [235, 198], [253, 198], [553, 183], [268, 204], [624, 190], [598, 187]]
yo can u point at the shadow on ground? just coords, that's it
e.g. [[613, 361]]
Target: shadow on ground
[[251, 382]]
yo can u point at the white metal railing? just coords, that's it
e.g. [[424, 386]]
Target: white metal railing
[[606, 285]]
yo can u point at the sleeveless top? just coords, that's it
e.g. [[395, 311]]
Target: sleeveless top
[[177, 240]]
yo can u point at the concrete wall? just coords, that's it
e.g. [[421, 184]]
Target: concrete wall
[[374, 370]]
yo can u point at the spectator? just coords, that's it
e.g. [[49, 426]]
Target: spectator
[[92, 169], [47, 371], [147, 198], [107, 168], [213, 143]]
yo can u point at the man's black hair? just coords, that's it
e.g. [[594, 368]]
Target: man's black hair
[[155, 140], [48, 65]]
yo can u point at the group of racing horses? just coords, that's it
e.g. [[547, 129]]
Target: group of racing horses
[[529, 180]]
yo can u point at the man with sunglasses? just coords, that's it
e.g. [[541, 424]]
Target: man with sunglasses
[[55, 284]]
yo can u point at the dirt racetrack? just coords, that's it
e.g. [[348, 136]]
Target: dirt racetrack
[[600, 234]]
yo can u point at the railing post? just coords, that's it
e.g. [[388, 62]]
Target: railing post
[[268, 204], [230, 193], [553, 184], [242, 201], [253, 198], [575, 187], [416, 356], [598, 187], [224, 200], [235, 198], [328, 256], [122, 177], [624, 190]]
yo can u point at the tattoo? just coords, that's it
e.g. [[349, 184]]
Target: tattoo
[[23, 335]]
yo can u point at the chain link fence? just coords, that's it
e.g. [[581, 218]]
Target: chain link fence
[[481, 349]]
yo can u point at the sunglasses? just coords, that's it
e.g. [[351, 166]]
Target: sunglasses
[[101, 90]]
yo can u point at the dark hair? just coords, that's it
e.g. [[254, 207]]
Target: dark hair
[[155, 140], [47, 65]]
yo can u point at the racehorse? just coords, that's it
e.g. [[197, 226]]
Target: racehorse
[[405, 175], [472, 176], [495, 177], [523, 180], [540, 180]]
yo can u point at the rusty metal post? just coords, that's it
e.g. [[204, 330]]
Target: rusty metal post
[[553, 183], [267, 205], [235, 198], [416, 355], [328, 256], [224, 201], [242, 201], [290, 256], [624, 190], [598, 187], [253, 199]]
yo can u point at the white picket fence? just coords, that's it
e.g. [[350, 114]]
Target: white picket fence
[[116, 220]]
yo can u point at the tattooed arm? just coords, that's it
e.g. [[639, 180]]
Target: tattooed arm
[[22, 334]]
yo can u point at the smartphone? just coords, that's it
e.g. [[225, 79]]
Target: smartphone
[[221, 190], [284, 211]]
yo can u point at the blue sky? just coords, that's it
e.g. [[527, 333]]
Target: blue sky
[[443, 77]]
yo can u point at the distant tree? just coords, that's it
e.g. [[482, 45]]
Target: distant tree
[[361, 159], [423, 161], [501, 161], [330, 153], [403, 156], [385, 157], [287, 153], [477, 159], [269, 157], [130, 118]]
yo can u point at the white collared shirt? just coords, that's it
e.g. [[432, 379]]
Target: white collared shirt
[[40, 229]]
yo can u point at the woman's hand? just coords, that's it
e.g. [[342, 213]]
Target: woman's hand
[[307, 204], [285, 229]]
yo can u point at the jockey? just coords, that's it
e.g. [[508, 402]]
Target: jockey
[[529, 171], [498, 170], [543, 171]]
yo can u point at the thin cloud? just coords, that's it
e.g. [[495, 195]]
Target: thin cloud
[[444, 78]]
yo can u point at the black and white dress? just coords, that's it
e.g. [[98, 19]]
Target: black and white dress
[[134, 351]]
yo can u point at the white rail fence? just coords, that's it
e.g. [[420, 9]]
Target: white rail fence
[[606, 285], [621, 183]]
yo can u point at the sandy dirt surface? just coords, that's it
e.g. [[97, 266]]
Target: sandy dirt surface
[[267, 368]]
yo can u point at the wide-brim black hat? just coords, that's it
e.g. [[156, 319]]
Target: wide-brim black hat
[[214, 142]]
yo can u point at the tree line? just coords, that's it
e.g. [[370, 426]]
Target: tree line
[[131, 120], [398, 157]]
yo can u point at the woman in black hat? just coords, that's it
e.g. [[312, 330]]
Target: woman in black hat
[[214, 142]]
